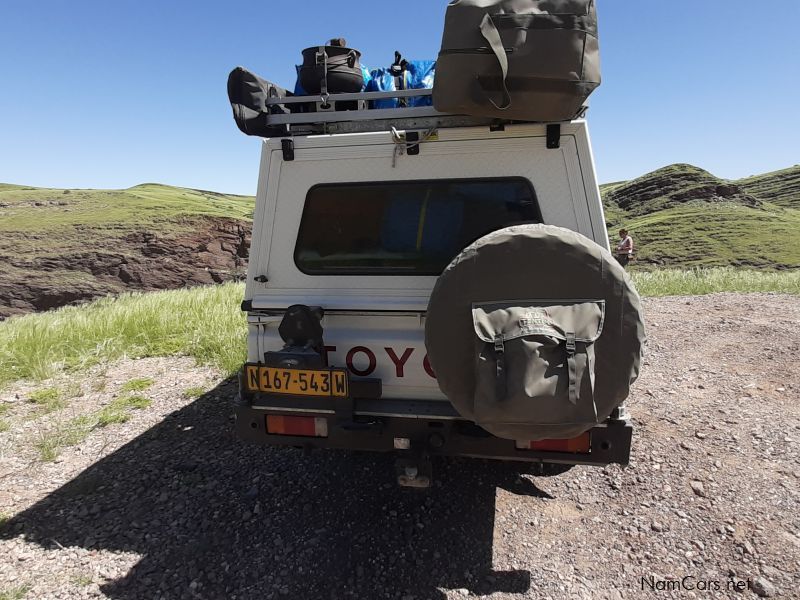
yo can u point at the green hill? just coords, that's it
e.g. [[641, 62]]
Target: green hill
[[779, 187], [106, 212], [683, 216], [673, 186], [61, 246]]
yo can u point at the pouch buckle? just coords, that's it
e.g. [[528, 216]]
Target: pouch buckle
[[499, 345], [571, 345]]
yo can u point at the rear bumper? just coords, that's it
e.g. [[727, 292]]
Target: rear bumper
[[431, 427]]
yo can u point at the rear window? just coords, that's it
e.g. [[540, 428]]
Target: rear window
[[405, 228]]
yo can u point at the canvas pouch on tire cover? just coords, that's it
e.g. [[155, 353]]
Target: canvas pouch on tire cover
[[532, 60], [534, 363]]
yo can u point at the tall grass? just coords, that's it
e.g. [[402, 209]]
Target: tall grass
[[206, 323], [698, 282]]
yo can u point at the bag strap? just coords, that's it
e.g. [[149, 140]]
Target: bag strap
[[492, 37], [322, 59]]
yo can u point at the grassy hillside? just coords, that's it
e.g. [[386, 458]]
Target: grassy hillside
[[682, 216], [779, 187], [205, 323], [64, 215], [60, 246], [719, 235]]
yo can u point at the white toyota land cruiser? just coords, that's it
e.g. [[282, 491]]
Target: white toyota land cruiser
[[353, 227]]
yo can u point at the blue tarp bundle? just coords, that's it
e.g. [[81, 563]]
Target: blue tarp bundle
[[418, 75]]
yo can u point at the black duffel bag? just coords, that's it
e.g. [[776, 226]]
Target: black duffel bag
[[530, 60], [248, 94], [333, 69]]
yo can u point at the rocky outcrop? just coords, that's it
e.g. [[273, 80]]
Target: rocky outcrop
[[215, 251]]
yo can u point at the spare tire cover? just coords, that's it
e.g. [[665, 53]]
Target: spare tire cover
[[528, 263]]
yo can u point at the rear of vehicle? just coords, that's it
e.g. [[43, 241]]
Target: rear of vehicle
[[357, 233]]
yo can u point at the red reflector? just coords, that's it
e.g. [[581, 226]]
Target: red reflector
[[297, 426], [579, 445]]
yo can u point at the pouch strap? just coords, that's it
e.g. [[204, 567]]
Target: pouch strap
[[500, 360], [573, 368], [492, 37]]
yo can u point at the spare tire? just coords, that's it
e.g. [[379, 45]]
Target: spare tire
[[535, 332]]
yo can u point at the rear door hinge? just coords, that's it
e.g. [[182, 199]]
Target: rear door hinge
[[554, 136]]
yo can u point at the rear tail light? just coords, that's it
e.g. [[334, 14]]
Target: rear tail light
[[579, 445], [297, 426]]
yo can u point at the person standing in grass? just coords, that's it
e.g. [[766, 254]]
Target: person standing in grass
[[624, 248]]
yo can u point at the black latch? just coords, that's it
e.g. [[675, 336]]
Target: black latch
[[261, 279], [288, 150], [412, 143], [345, 411], [554, 136]]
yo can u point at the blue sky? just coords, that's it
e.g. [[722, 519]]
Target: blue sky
[[108, 94]]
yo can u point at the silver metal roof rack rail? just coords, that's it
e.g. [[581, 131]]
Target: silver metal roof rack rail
[[351, 113]]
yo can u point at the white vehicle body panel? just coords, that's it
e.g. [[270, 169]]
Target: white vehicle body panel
[[376, 323]]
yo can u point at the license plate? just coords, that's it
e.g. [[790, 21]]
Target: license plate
[[297, 382]]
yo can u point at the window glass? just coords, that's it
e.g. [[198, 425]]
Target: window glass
[[413, 228]]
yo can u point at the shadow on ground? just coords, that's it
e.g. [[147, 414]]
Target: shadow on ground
[[214, 517]]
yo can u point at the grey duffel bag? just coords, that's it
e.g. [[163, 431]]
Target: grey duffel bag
[[529, 60]]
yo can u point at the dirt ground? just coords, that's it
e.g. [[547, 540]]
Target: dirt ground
[[171, 505]]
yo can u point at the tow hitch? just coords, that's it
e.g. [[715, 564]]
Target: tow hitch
[[414, 472]]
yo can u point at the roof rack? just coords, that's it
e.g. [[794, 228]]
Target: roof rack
[[290, 115]]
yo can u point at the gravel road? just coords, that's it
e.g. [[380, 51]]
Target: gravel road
[[170, 505]]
